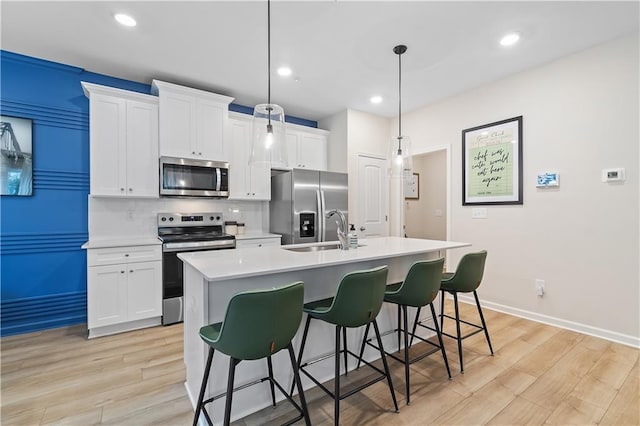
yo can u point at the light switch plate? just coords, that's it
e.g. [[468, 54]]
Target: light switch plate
[[479, 213]]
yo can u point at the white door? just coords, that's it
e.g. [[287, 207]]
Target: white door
[[372, 197]]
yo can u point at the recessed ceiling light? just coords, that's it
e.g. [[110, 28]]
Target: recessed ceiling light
[[125, 20], [376, 99], [284, 71], [510, 39]]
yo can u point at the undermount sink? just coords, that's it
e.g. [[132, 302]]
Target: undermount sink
[[319, 247]]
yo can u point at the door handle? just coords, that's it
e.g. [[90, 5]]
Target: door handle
[[362, 228]]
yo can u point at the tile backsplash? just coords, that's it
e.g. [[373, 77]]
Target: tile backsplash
[[132, 218]]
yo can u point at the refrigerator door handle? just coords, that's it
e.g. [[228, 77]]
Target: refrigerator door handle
[[320, 218], [323, 214]]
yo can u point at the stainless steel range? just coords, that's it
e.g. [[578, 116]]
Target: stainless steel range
[[180, 232]]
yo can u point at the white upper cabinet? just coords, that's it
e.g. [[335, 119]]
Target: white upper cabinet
[[246, 182], [123, 133], [192, 122], [306, 149]]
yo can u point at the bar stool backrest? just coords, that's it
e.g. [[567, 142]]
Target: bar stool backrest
[[260, 323], [469, 272], [422, 283], [359, 297]]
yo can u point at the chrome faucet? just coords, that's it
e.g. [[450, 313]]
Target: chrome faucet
[[342, 228]]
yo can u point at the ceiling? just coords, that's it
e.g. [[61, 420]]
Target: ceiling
[[341, 52]]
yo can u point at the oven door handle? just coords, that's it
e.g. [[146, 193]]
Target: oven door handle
[[203, 245]]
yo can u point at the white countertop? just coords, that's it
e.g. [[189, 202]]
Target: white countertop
[[222, 265], [121, 242], [256, 235]]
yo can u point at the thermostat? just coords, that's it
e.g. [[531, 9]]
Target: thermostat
[[613, 175], [548, 179]]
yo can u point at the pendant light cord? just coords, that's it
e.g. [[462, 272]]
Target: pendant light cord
[[269, 63], [399, 98]]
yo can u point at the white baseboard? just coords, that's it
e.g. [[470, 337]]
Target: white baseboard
[[613, 336]]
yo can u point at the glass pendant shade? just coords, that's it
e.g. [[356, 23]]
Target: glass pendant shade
[[268, 137], [400, 158]]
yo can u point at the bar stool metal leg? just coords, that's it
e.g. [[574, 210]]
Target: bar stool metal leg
[[227, 406], [455, 302], [484, 325], [344, 345], [273, 390], [336, 391], [364, 341], [439, 334], [297, 382], [386, 366], [304, 341], [406, 352], [203, 386]]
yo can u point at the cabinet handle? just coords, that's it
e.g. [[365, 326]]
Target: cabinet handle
[[130, 189], [131, 271], [121, 189], [122, 272], [248, 193], [193, 152], [254, 194], [126, 255], [259, 245], [199, 153]]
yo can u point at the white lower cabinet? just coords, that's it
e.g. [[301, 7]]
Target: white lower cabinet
[[125, 295]]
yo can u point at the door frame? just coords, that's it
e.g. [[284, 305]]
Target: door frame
[[447, 149]]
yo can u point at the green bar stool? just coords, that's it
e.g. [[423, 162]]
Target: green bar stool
[[257, 324], [466, 279], [357, 302], [419, 288]]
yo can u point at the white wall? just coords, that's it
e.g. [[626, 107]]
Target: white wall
[[366, 134], [581, 115], [426, 217], [337, 141]]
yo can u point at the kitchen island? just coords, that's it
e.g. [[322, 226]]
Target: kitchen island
[[211, 278]]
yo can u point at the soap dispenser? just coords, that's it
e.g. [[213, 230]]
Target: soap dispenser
[[352, 237]]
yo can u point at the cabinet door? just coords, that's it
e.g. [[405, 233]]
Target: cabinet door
[[144, 290], [142, 149], [291, 142], [106, 295], [107, 136], [312, 151], [260, 178], [239, 133], [177, 125], [210, 121]]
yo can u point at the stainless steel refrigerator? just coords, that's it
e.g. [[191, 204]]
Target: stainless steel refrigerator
[[300, 201]]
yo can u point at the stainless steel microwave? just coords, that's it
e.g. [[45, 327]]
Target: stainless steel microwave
[[186, 177]]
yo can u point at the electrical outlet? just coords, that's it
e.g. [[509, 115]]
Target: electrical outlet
[[540, 288]]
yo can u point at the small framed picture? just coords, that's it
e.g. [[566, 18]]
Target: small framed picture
[[412, 187], [16, 166]]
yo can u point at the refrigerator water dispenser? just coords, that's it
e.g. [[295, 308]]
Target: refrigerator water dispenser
[[307, 224]]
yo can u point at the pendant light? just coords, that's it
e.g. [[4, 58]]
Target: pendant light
[[401, 163], [268, 138]]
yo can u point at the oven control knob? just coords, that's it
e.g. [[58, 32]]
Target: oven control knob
[[217, 217], [211, 218], [164, 219], [170, 219]]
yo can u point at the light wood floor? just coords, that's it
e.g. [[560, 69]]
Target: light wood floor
[[539, 375]]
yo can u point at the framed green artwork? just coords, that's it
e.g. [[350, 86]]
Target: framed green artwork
[[492, 163]]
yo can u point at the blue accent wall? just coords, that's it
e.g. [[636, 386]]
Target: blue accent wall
[[43, 275]]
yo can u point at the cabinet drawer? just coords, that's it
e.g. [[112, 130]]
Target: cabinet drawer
[[113, 255], [258, 242]]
